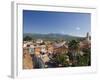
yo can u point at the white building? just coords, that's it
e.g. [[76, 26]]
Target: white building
[[38, 41]]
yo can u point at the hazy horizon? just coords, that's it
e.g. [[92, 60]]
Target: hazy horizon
[[58, 34]]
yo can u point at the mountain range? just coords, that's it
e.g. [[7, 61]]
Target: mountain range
[[52, 36]]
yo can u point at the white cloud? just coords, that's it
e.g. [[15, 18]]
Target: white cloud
[[77, 28]]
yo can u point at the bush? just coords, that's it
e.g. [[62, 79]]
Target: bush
[[85, 60], [27, 38], [60, 59]]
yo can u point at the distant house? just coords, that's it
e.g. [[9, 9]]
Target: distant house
[[40, 48], [31, 49], [37, 50], [39, 41], [60, 47], [26, 44], [50, 48], [85, 44], [43, 48]]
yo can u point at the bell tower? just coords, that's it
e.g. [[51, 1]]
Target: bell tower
[[88, 36]]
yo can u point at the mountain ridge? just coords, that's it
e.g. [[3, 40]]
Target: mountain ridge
[[51, 36]]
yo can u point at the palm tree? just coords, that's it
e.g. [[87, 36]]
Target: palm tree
[[73, 49]]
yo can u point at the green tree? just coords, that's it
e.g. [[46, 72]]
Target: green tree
[[60, 59], [73, 49], [27, 38], [73, 45], [85, 60]]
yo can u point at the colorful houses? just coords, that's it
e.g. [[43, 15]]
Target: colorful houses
[[50, 48], [51, 53]]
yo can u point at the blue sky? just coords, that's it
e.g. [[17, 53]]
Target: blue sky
[[44, 22]]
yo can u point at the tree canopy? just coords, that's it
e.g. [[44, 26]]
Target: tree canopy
[[27, 38]]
